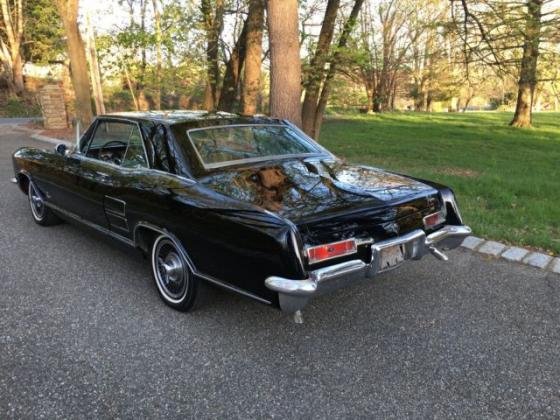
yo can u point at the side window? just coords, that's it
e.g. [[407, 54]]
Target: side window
[[117, 142], [135, 156]]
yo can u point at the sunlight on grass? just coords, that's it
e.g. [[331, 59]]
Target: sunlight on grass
[[507, 180]]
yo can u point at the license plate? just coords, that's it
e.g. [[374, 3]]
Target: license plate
[[391, 257]]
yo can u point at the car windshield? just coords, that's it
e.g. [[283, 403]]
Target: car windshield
[[230, 145]]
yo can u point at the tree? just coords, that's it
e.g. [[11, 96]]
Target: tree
[[43, 36], [68, 11], [498, 32], [157, 21], [213, 22], [95, 75], [285, 63], [347, 29], [11, 37], [317, 67], [253, 57], [528, 70], [232, 76]]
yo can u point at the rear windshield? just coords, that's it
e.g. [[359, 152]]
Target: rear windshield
[[231, 145]]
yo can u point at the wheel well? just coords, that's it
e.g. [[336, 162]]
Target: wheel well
[[23, 182], [144, 237]]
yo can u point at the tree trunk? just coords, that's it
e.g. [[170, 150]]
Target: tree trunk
[[528, 71], [10, 51], [17, 74], [285, 63], [68, 10], [253, 56], [369, 93], [325, 92], [130, 87], [230, 87], [94, 69], [317, 67], [157, 19], [213, 13]]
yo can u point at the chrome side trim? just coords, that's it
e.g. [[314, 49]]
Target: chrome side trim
[[231, 287], [297, 251], [191, 265], [118, 200], [83, 157], [94, 226]]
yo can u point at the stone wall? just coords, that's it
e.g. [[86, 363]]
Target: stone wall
[[53, 107]]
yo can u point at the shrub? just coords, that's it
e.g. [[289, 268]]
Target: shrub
[[17, 107]]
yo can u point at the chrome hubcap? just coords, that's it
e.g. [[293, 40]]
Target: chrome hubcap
[[170, 271], [37, 204]]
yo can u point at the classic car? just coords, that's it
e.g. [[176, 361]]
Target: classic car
[[250, 204]]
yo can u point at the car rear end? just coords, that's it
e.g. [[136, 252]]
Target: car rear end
[[337, 250]]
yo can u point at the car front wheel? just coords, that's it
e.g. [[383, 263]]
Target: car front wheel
[[175, 281], [42, 215]]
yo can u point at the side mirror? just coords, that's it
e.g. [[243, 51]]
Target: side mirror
[[61, 149]]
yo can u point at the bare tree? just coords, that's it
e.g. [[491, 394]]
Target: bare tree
[[285, 63], [253, 57], [68, 10], [11, 36]]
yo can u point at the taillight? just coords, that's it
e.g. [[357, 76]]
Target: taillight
[[434, 219], [333, 250]]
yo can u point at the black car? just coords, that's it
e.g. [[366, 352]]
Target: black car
[[247, 203]]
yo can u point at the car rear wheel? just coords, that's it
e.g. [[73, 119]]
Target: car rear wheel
[[175, 281], [40, 212]]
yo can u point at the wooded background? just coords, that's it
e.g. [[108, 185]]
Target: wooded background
[[287, 58]]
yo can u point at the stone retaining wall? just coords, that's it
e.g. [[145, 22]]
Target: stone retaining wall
[[53, 107]]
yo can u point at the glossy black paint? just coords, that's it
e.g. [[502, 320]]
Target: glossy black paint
[[240, 224]]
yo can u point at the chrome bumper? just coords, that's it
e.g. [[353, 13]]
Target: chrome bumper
[[294, 294]]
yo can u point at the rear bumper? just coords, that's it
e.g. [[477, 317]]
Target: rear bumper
[[294, 294]]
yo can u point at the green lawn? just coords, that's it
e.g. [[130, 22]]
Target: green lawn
[[507, 180]]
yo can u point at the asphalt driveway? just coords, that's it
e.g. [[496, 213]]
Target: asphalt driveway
[[84, 334]]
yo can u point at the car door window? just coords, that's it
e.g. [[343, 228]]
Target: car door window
[[119, 143], [110, 140], [135, 155]]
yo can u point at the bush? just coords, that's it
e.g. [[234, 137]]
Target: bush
[[17, 107]]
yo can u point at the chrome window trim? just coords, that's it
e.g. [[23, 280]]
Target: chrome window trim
[[320, 150]]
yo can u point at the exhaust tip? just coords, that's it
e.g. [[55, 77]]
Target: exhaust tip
[[438, 254]]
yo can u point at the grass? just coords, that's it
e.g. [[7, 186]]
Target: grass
[[507, 180]]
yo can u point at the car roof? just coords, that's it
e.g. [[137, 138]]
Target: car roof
[[195, 118]]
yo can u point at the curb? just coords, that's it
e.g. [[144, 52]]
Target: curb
[[513, 254]]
